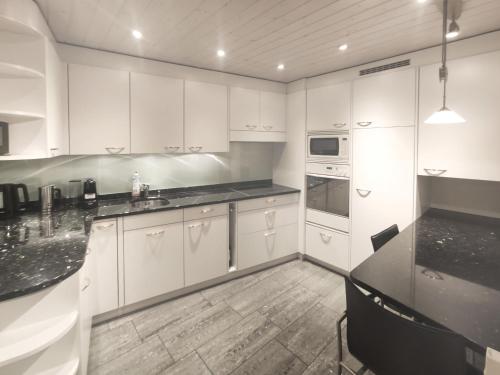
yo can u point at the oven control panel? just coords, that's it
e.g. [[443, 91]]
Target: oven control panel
[[329, 169]]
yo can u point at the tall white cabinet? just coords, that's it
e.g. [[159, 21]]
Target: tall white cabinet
[[328, 107], [99, 109]]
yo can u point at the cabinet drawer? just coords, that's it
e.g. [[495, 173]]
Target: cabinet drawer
[[152, 219], [266, 219], [196, 213], [328, 246], [264, 246], [276, 200]]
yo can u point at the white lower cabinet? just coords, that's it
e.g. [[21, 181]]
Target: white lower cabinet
[[206, 249], [103, 267], [329, 246], [153, 261], [85, 315]]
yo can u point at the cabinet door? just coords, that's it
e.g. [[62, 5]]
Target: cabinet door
[[385, 99], [206, 117], [85, 313], [156, 114], [206, 249], [103, 271], [244, 108], [272, 111], [153, 261], [328, 107], [383, 178], [328, 246], [468, 150], [98, 110]]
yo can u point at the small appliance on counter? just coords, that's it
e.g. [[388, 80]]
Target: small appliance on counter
[[49, 197], [89, 197], [4, 138], [14, 198]]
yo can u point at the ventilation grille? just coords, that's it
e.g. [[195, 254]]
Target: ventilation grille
[[381, 68]]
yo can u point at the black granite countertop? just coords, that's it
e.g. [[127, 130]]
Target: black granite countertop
[[37, 251], [445, 267]]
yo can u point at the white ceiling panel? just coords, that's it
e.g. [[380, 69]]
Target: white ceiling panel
[[257, 35]]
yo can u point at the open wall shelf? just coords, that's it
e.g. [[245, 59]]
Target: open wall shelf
[[9, 70], [13, 117]]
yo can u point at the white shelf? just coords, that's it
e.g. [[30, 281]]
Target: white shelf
[[13, 117], [13, 26], [16, 344], [9, 70]]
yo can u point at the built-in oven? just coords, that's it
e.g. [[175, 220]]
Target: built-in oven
[[328, 147], [327, 196]]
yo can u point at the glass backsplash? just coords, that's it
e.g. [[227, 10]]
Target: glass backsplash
[[113, 173]]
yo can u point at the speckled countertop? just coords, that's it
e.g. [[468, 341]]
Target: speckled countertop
[[37, 251]]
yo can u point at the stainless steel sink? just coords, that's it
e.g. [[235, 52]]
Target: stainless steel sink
[[152, 202]]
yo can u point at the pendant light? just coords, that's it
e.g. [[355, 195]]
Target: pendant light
[[444, 115]]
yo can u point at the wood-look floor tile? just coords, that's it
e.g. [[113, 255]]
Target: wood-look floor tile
[[289, 306], [150, 357], [335, 299], [225, 290], [255, 296], [169, 313], [272, 359], [186, 336], [310, 334], [323, 281], [232, 347], [110, 344], [189, 365]]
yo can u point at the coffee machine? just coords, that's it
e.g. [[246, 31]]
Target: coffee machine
[[89, 196]]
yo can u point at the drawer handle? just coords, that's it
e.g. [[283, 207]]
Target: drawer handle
[[114, 150], [269, 212], [339, 124], [195, 148], [363, 193], [325, 237], [197, 225], [172, 148], [267, 127], [435, 172], [364, 123], [87, 284], [206, 210], [251, 126], [89, 250], [156, 234], [271, 200], [104, 226], [269, 234]]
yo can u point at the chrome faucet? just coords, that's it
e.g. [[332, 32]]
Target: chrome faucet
[[145, 190]]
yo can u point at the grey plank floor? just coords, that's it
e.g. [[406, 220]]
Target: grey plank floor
[[278, 321]]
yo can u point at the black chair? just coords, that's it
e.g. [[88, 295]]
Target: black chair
[[380, 239], [388, 344]]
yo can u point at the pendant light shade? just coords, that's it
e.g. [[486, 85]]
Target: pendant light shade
[[444, 115]]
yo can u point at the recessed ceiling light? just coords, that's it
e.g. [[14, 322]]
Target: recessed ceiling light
[[343, 47], [136, 34], [221, 53], [422, 1], [281, 67]]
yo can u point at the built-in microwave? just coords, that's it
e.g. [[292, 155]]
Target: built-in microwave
[[328, 147]]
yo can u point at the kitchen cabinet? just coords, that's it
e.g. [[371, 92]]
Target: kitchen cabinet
[[99, 109], [156, 114], [469, 150], [244, 109], [153, 261], [383, 184], [206, 247], [206, 117], [385, 99], [328, 245], [328, 107], [103, 267], [85, 313], [273, 111]]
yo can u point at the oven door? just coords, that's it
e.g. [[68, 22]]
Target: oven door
[[328, 194], [323, 147]]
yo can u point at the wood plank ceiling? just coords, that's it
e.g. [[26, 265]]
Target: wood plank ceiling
[[257, 35]]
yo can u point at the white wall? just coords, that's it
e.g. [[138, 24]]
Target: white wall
[[289, 158]]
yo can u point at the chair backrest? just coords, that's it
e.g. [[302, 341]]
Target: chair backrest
[[380, 239], [392, 345]]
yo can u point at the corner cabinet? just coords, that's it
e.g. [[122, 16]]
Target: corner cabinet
[[206, 117], [328, 107], [469, 150], [99, 108]]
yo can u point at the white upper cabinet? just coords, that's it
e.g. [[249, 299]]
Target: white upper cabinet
[[328, 107], [156, 114], [272, 111], [206, 117], [244, 109], [98, 110], [385, 100], [469, 150]]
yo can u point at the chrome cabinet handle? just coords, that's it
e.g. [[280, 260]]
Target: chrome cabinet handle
[[339, 124], [271, 200], [89, 250], [104, 226], [363, 193], [325, 237], [197, 225], [267, 127], [269, 212], [251, 126], [195, 148], [364, 123], [172, 148], [87, 284], [114, 150], [156, 234], [435, 172], [206, 210], [268, 234]]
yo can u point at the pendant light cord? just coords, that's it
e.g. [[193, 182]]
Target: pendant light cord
[[443, 72]]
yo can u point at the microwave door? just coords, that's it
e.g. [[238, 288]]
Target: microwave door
[[322, 146]]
